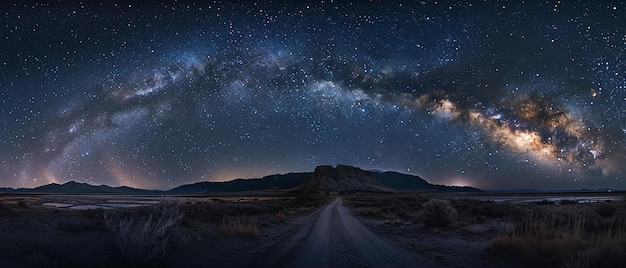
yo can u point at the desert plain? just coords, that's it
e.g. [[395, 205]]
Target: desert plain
[[287, 229]]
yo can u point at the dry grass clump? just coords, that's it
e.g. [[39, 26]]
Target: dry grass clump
[[223, 219], [6, 210], [209, 216], [144, 239], [23, 204], [41, 260], [437, 213], [551, 239], [281, 216], [606, 210], [244, 227]]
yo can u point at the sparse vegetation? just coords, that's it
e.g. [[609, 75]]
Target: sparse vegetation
[[564, 233], [81, 225], [437, 213], [93, 214], [23, 204], [144, 239], [91, 220], [489, 209], [281, 216], [43, 261], [568, 202], [546, 238], [216, 215], [606, 210], [6, 210], [244, 227], [393, 208]]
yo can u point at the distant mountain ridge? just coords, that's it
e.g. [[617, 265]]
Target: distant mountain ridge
[[279, 181], [325, 178], [72, 187], [400, 181]]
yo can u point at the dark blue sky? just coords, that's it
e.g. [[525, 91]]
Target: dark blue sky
[[504, 94]]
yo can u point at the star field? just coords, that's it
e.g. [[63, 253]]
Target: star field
[[495, 94]]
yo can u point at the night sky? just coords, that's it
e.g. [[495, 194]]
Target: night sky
[[496, 95]]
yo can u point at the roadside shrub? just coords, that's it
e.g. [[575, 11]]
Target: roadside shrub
[[437, 212], [144, 239]]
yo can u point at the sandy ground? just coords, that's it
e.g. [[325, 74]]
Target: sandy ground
[[333, 236], [445, 247]]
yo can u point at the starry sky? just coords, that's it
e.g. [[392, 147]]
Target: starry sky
[[491, 94]]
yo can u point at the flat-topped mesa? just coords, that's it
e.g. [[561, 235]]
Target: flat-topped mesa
[[350, 172], [325, 170], [341, 179]]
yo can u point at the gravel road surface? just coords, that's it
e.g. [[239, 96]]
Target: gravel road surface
[[333, 237]]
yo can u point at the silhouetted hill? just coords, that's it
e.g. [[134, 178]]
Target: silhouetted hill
[[341, 179], [399, 181], [281, 181], [73, 187]]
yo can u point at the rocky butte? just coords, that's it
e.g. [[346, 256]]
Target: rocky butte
[[341, 179]]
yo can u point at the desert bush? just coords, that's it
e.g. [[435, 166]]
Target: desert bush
[[606, 210], [244, 227], [144, 239], [437, 212], [281, 216], [545, 202], [23, 204], [568, 202]]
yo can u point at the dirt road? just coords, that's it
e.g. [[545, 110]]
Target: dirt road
[[333, 237]]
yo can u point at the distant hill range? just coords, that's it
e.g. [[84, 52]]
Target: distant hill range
[[278, 182], [73, 187], [324, 179]]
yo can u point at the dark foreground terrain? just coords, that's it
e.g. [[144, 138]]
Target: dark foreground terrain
[[308, 230], [333, 237]]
